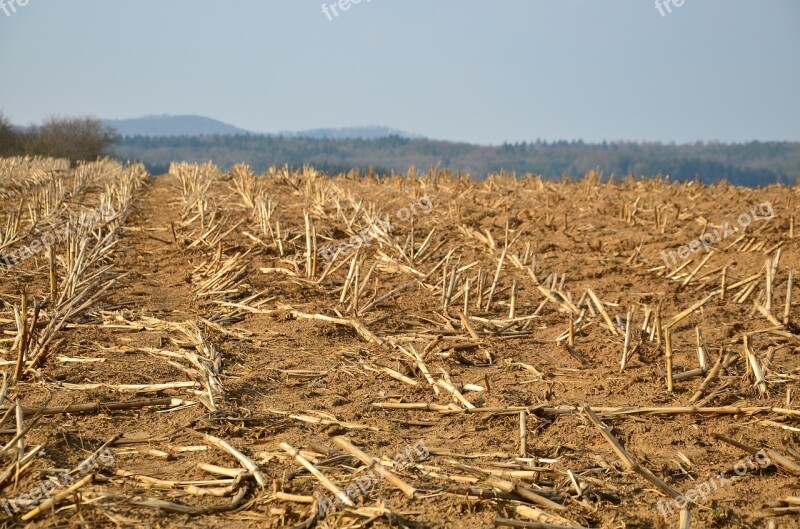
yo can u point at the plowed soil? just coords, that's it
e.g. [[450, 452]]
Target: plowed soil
[[299, 363]]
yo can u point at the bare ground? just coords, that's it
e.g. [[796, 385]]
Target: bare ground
[[287, 376]]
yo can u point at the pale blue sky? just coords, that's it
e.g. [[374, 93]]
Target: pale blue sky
[[479, 71]]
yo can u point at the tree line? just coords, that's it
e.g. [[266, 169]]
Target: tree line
[[76, 139], [80, 139], [750, 164]]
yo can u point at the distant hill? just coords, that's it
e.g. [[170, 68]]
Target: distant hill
[[159, 126], [350, 133], [166, 126]]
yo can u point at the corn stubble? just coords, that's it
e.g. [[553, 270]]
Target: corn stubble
[[524, 331]]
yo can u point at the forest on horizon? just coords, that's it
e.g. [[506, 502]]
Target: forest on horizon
[[749, 164]]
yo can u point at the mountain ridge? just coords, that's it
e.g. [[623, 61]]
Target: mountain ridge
[[167, 125]]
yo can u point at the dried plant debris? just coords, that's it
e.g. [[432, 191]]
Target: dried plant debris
[[296, 349]]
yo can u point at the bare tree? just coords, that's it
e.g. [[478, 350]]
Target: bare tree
[[78, 139], [10, 140]]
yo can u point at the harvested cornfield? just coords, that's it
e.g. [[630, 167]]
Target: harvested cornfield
[[210, 349]]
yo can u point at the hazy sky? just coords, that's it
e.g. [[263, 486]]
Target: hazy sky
[[473, 70]]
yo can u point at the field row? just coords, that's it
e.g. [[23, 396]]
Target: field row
[[296, 350]]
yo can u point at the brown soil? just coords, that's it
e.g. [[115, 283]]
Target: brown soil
[[287, 377]]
